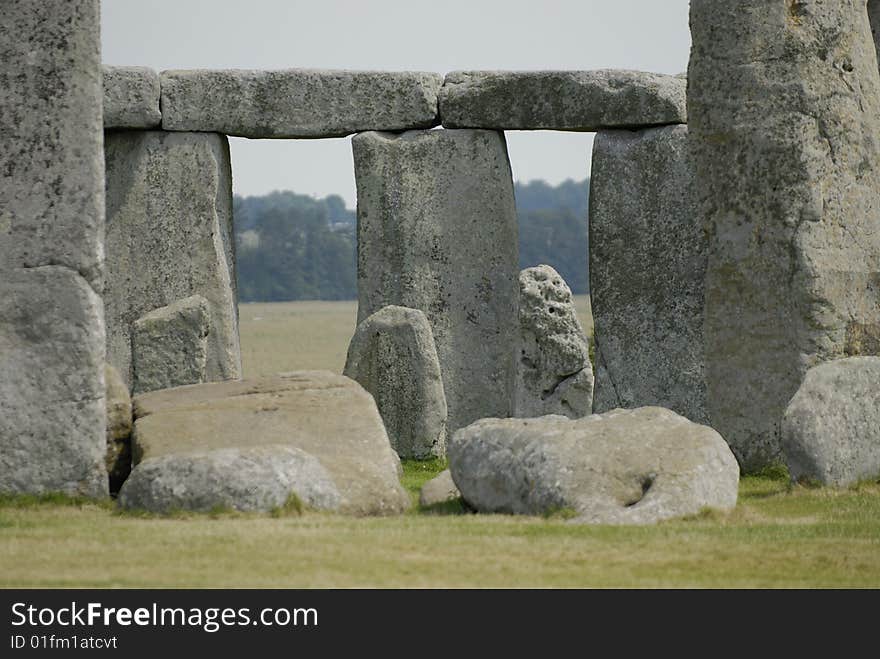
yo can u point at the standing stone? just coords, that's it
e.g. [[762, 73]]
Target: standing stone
[[647, 265], [169, 236], [784, 120], [169, 346], [392, 355], [131, 97], [52, 414], [119, 422], [554, 374], [831, 428], [437, 231]]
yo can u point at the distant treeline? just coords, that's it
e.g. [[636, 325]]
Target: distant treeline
[[295, 247]]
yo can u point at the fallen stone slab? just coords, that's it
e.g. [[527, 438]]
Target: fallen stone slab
[[553, 374], [831, 427], [298, 102], [168, 237], [252, 479], [392, 355], [119, 425], [169, 346], [437, 231], [328, 416], [52, 436], [561, 100], [648, 254], [439, 489], [623, 467], [131, 97]]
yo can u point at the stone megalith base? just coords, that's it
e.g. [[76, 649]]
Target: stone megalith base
[[784, 121], [647, 264], [169, 236], [553, 372], [437, 231], [392, 355]]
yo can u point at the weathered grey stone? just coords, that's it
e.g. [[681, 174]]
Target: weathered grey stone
[[169, 236], [831, 428], [784, 120], [439, 489], [437, 232], [392, 355], [328, 416], [561, 100], [647, 266], [874, 20], [169, 346], [298, 102], [51, 205], [52, 414], [256, 478], [553, 374], [131, 97], [51, 384], [119, 423], [623, 467]]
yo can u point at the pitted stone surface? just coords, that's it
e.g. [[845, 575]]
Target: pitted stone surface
[[553, 374], [561, 100], [784, 121], [647, 266], [298, 102], [131, 97], [392, 355], [169, 236], [437, 231]]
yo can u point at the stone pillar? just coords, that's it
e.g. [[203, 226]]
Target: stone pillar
[[784, 120], [647, 264], [169, 236], [437, 232], [52, 416]]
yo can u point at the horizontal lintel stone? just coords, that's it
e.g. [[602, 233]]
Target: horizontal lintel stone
[[131, 97], [562, 100], [298, 103]]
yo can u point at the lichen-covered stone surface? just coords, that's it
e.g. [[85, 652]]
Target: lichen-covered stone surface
[[561, 100], [647, 266], [328, 416], [52, 415], [392, 355], [169, 346], [831, 428], [784, 121], [298, 102], [553, 372], [624, 467], [437, 231], [169, 236], [131, 97], [248, 479]]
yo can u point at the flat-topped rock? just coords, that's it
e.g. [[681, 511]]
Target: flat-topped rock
[[624, 467], [561, 100], [328, 416], [298, 102], [831, 427], [131, 97]]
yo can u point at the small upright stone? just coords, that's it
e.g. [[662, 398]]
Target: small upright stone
[[647, 266], [119, 424], [131, 97], [831, 428], [437, 231], [439, 489], [392, 355], [170, 345], [554, 374]]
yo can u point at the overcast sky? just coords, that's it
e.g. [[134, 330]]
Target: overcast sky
[[650, 35]]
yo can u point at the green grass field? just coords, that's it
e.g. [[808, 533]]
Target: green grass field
[[779, 536]]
